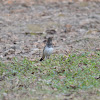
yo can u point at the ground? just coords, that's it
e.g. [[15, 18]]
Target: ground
[[25, 26]]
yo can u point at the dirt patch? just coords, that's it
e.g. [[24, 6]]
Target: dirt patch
[[23, 27]]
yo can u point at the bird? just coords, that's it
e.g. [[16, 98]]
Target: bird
[[48, 49]]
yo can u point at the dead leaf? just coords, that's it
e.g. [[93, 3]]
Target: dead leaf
[[97, 49], [9, 2], [73, 86], [62, 77], [51, 32], [68, 27], [98, 77]]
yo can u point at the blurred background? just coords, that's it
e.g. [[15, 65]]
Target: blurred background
[[26, 24]]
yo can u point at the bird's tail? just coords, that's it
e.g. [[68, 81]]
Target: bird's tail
[[42, 58]]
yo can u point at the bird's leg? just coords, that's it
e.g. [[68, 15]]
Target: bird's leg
[[48, 57]]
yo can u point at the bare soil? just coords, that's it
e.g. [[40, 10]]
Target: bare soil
[[25, 26]]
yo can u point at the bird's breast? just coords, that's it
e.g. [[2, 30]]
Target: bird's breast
[[48, 51]]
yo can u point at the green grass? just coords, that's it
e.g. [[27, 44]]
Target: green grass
[[59, 74]]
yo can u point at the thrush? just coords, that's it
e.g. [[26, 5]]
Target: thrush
[[48, 49]]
